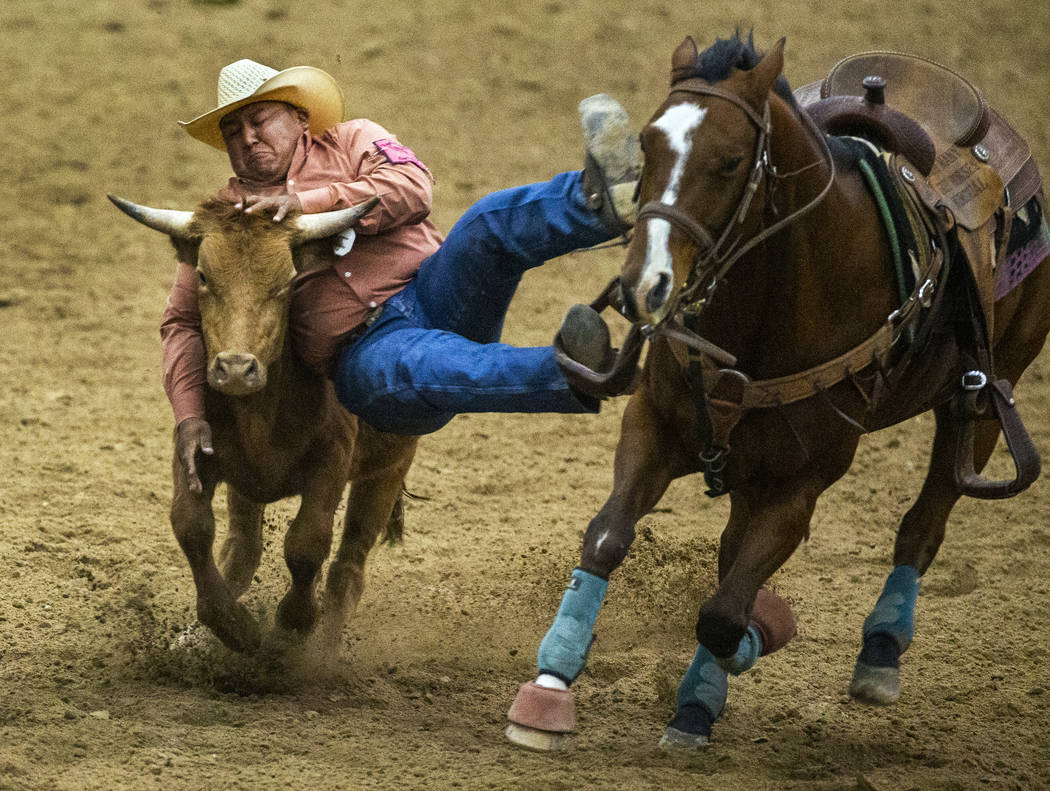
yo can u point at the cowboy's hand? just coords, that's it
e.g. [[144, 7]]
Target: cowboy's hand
[[191, 435], [280, 204]]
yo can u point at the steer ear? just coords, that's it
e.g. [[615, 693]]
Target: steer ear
[[310, 227], [174, 223]]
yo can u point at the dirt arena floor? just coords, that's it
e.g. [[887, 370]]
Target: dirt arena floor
[[92, 696]]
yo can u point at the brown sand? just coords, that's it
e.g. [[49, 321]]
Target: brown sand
[[91, 697]]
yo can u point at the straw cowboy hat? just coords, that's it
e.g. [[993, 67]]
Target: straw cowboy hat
[[246, 81]]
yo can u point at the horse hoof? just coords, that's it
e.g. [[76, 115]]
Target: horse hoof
[[774, 620], [876, 677], [689, 729], [877, 685], [532, 739], [674, 739], [541, 717]]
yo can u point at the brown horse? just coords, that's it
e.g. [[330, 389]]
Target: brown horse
[[278, 429], [771, 287]]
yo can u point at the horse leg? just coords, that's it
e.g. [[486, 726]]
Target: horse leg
[[241, 552], [702, 691], [648, 457], [725, 621], [889, 628], [767, 522], [193, 522]]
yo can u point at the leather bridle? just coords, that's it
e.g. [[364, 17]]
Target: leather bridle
[[715, 257]]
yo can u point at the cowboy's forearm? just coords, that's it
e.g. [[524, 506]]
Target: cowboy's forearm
[[183, 356]]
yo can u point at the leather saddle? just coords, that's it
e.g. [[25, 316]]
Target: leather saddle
[[973, 160], [952, 152], [970, 171]]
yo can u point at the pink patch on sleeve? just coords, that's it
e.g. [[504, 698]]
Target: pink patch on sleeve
[[398, 154]]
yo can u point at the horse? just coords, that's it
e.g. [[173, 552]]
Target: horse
[[784, 312], [278, 428]]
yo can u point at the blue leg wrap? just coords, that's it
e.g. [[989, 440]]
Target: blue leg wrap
[[563, 651], [746, 655], [894, 612], [705, 684]]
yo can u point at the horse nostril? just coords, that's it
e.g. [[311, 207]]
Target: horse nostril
[[628, 305], [658, 294]]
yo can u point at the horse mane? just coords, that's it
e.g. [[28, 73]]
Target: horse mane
[[721, 59]]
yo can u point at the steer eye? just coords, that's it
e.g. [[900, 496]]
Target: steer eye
[[204, 280]]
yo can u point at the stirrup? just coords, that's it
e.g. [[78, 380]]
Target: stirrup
[[1022, 450]]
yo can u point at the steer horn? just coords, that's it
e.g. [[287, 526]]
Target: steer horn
[[309, 226], [329, 223], [174, 223]]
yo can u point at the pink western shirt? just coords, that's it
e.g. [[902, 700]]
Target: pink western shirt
[[348, 164]]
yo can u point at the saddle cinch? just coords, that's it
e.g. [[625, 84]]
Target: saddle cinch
[[969, 172]]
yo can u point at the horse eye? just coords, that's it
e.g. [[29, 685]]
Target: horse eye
[[730, 166]]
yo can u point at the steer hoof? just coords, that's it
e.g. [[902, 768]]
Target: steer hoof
[[297, 613], [233, 625], [540, 717]]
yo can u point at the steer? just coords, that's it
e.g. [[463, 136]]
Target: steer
[[277, 428]]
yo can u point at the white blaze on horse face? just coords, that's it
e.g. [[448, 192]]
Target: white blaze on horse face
[[678, 124]]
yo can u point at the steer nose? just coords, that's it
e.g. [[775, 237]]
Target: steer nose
[[236, 374]]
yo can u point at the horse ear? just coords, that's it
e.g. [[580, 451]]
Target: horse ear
[[683, 60], [763, 75]]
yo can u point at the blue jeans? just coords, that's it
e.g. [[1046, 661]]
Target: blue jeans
[[434, 350]]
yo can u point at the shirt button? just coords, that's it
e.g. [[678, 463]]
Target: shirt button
[[372, 304], [347, 274]]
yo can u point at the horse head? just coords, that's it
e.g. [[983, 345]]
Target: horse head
[[705, 151]]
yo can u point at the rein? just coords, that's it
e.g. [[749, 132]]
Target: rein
[[720, 403], [722, 394]]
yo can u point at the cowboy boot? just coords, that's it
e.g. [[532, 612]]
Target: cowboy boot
[[593, 369], [613, 161], [584, 338]]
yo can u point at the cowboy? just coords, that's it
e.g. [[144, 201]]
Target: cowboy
[[405, 323]]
